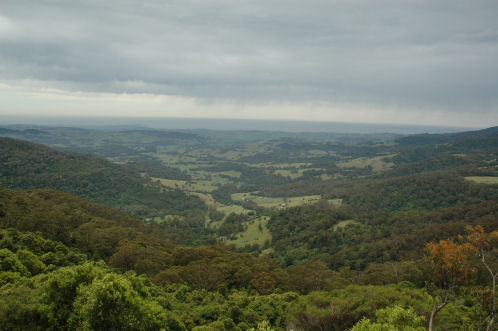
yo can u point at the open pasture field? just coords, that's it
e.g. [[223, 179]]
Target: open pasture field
[[294, 173], [171, 182], [206, 197], [343, 224], [231, 209], [296, 165], [236, 209], [255, 233], [314, 152], [281, 202], [207, 183], [202, 186], [483, 179], [160, 219], [231, 173], [378, 163]]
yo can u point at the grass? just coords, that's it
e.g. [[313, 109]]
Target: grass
[[159, 219], [295, 165], [378, 163], [231, 173], [227, 210], [206, 182], [343, 224], [278, 202], [294, 173], [316, 152], [288, 173], [206, 197], [231, 209], [266, 251], [201, 189], [199, 186], [170, 182], [268, 202], [213, 224], [256, 233], [335, 202], [202, 186], [483, 179]]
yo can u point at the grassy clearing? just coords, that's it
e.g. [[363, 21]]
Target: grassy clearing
[[343, 224], [160, 219], [227, 210], [315, 152], [292, 174], [213, 224], [202, 189], [206, 197], [256, 233], [241, 196], [231, 209], [202, 186], [233, 155], [170, 182], [378, 163], [281, 202], [205, 182], [335, 202], [296, 165], [326, 177], [175, 160], [483, 179], [268, 202], [266, 251], [231, 173]]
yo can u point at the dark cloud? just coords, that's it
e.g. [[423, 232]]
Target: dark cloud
[[419, 54]]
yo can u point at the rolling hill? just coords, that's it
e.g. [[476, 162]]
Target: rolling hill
[[25, 165]]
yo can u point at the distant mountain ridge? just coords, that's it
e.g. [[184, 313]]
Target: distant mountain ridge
[[489, 135]]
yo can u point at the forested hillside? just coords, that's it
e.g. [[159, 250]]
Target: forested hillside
[[184, 288], [429, 190], [341, 239], [27, 165]]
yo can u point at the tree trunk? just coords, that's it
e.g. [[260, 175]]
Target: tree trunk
[[436, 309], [493, 292], [433, 314]]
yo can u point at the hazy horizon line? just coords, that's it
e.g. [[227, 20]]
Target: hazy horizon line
[[228, 124]]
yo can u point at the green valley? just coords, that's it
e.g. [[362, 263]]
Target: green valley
[[209, 230]]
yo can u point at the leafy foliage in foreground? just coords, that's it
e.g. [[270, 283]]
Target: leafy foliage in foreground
[[47, 285]]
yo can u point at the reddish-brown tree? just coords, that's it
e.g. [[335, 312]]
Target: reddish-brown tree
[[486, 244], [451, 266]]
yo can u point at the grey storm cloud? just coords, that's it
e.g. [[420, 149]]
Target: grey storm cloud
[[422, 54]]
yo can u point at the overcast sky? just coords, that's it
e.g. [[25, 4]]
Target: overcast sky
[[384, 61]]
